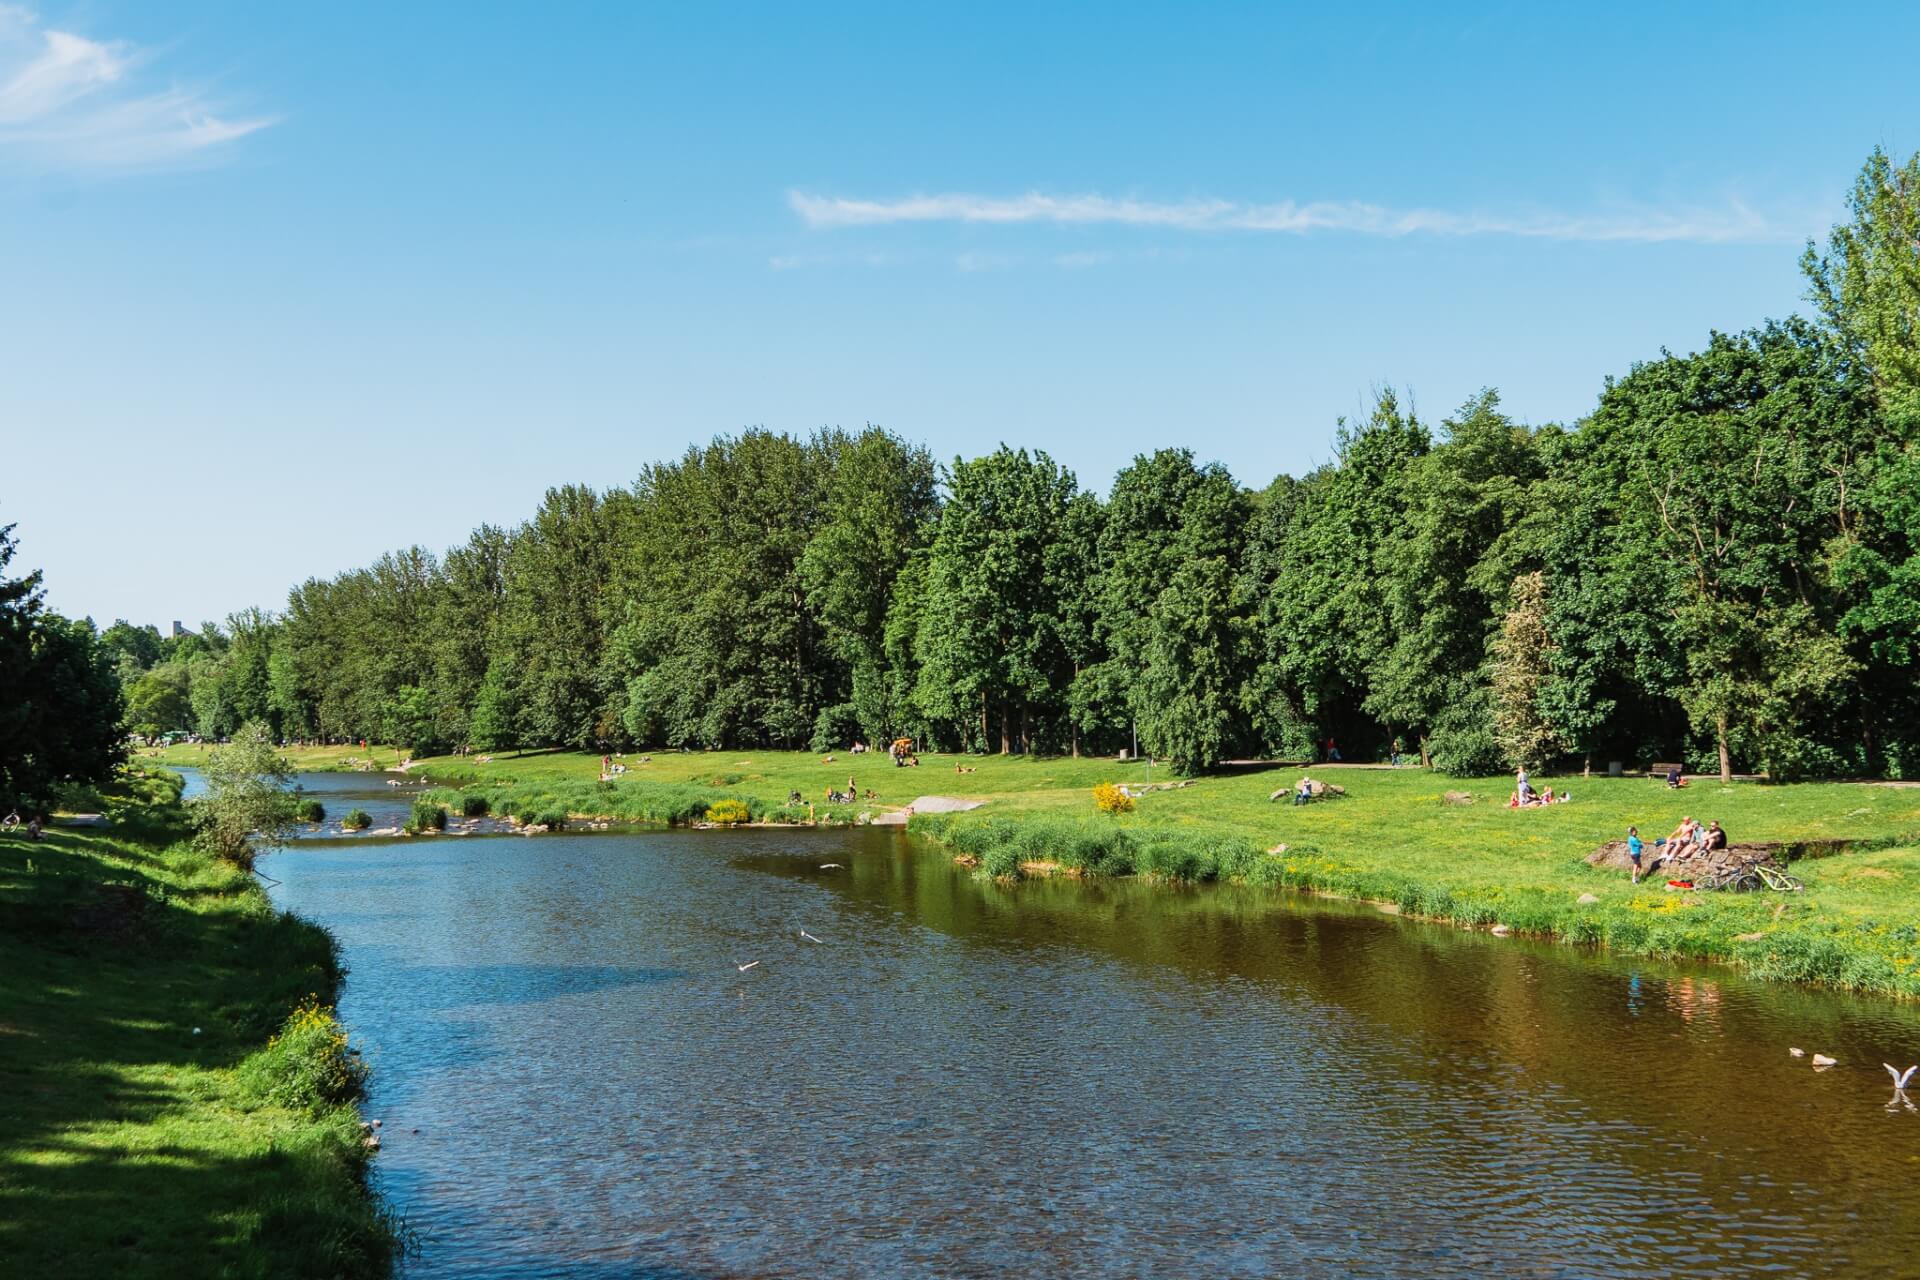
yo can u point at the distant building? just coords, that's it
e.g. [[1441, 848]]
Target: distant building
[[179, 630]]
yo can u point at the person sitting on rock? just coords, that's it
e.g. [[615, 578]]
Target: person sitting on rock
[[1304, 792]]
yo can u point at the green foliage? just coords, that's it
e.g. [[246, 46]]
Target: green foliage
[[310, 810], [427, 815], [835, 728], [307, 1065], [1867, 286], [248, 794], [61, 705], [1721, 563], [1464, 741], [145, 1037], [474, 806], [356, 820], [410, 720]]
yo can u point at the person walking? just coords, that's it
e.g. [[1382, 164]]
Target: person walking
[[1633, 851]]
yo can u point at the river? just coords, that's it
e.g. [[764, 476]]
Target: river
[[575, 1077]]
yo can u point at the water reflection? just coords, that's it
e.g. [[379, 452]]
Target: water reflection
[[1069, 1079]]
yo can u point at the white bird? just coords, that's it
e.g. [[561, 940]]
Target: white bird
[[1900, 1078], [748, 965], [829, 866], [1822, 1060], [810, 938], [1798, 1053]]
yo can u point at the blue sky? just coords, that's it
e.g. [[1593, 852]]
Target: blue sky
[[285, 288]]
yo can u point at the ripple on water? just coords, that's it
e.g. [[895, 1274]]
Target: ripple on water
[[1066, 1079]]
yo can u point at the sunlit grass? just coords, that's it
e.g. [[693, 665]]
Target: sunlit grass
[[136, 980]]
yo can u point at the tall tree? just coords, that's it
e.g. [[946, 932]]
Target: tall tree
[[989, 640]]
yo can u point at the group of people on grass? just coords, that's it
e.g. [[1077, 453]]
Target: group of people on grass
[[613, 766], [1688, 839], [1525, 797]]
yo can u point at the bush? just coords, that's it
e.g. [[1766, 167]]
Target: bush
[[310, 811], [307, 1065], [728, 813], [474, 806], [551, 819], [357, 820], [427, 816], [835, 728], [1111, 799], [1465, 749]]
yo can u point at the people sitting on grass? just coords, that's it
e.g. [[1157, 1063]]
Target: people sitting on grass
[[1525, 797]]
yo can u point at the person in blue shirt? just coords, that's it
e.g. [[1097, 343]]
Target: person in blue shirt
[[1633, 851]]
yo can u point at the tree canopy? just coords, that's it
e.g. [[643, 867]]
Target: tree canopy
[[1721, 564]]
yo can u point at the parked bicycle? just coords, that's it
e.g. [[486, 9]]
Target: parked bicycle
[[1752, 873]]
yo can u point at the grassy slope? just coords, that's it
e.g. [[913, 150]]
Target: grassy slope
[[128, 1145], [1391, 838]]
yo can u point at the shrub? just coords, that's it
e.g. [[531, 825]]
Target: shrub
[[474, 806], [311, 811], [1001, 862], [728, 813], [835, 728], [427, 816], [551, 819], [1111, 799], [307, 1065], [357, 820], [247, 792]]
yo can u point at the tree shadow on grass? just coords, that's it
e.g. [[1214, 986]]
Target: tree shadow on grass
[[128, 985]]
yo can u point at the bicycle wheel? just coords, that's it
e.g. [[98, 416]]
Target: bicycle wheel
[[1781, 881]]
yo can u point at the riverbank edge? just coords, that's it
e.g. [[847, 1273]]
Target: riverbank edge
[[1004, 844], [1013, 846], [250, 976]]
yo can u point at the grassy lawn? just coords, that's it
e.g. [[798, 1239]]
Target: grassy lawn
[[129, 1144], [1392, 838]]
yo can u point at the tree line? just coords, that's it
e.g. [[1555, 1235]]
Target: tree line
[[1720, 564]]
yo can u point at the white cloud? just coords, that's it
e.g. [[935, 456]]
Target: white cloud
[[71, 104], [1734, 224]]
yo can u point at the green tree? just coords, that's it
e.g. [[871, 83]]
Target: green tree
[[878, 510], [1446, 567], [157, 702], [1867, 284], [989, 639], [249, 796]]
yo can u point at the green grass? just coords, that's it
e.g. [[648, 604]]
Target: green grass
[[1391, 839], [129, 1144]]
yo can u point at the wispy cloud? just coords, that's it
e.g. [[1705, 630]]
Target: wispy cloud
[[1734, 224], [72, 104]]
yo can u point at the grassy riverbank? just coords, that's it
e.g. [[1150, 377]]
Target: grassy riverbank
[[150, 1128], [1392, 838]]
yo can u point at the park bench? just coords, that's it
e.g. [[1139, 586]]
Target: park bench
[[1661, 771]]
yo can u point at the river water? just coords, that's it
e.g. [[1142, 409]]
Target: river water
[[576, 1078]]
